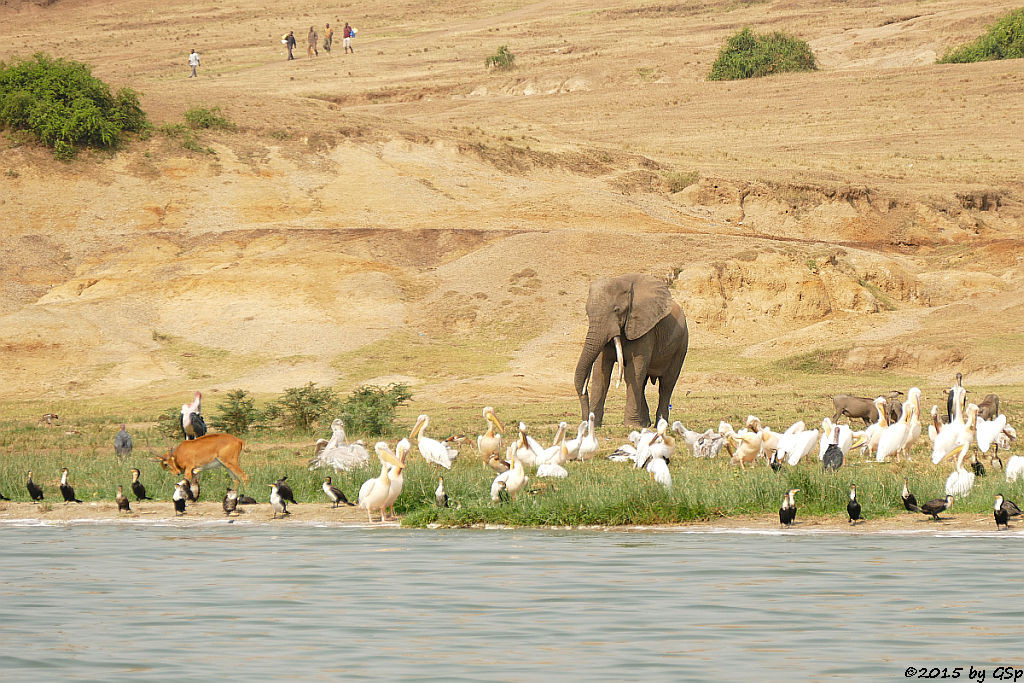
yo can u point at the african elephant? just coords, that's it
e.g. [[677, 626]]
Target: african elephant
[[634, 318]]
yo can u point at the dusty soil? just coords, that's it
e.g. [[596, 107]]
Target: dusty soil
[[404, 213], [199, 513]]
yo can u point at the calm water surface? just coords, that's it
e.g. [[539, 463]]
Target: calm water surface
[[156, 603]]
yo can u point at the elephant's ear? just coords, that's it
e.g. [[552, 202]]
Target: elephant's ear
[[652, 301]]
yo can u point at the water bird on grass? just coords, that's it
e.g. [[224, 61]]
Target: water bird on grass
[[230, 502], [489, 443], [374, 492], [179, 497], [440, 495], [34, 490], [122, 500], [1004, 510], [191, 420], [853, 507], [572, 446], [186, 490], [285, 491], [834, 458], [193, 485], [787, 513], [960, 481], [65, 488], [277, 502], [137, 487], [397, 479], [510, 483], [589, 444], [246, 500], [935, 506], [335, 494], [432, 450], [338, 452], [909, 499]]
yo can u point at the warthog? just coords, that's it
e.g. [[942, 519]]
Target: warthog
[[864, 408]]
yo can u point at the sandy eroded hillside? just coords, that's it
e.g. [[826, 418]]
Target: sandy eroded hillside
[[402, 213]]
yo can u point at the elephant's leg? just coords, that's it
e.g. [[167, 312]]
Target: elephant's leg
[[599, 380], [638, 413]]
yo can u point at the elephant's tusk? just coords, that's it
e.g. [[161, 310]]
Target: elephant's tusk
[[586, 386], [618, 357]]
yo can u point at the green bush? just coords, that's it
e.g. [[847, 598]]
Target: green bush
[[1004, 40], [371, 410], [169, 423], [502, 60], [64, 106], [237, 413], [747, 55], [300, 407], [207, 117]]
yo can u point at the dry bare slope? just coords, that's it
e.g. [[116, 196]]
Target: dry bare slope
[[404, 213]]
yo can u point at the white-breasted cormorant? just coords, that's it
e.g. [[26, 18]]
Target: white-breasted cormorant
[[853, 507], [787, 513], [193, 485], [909, 500], [186, 490], [137, 487], [335, 494], [934, 506], [440, 495], [230, 502], [123, 443], [277, 502], [179, 498], [65, 488], [122, 501], [285, 491], [1003, 510], [34, 490]]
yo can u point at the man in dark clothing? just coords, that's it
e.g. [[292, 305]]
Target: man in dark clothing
[[289, 42]]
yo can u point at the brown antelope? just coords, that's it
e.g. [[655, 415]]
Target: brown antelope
[[205, 453]]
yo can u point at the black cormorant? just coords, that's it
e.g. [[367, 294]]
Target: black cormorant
[[277, 501], [935, 506], [137, 487], [787, 513], [65, 488], [285, 491], [440, 495], [246, 500], [34, 490], [853, 507], [909, 500], [333, 492], [1003, 510]]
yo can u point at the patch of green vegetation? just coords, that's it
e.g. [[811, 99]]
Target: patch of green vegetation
[[502, 60], [879, 295], [748, 55], [203, 362], [371, 410], [186, 136], [817, 362], [680, 180], [647, 73], [236, 414], [208, 117], [812, 266], [301, 407], [64, 106], [1003, 40]]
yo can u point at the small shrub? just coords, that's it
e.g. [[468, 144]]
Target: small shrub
[[1004, 40], [64, 106], [186, 136], [502, 60], [679, 181], [237, 413], [205, 117], [169, 423], [747, 55], [371, 410], [300, 407]]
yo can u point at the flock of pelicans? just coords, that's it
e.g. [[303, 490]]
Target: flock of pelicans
[[651, 450]]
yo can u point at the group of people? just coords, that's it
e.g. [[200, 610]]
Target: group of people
[[313, 40]]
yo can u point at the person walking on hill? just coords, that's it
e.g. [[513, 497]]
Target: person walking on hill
[[193, 61], [328, 38], [312, 50], [289, 42], [346, 36]]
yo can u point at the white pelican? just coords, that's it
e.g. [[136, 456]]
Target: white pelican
[[510, 482], [573, 445], [557, 453], [960, 481], [626, 451], [396, 478], [526, 449], [650, 455], [432, 450], [374, 492], [947, 437], [935, 425], [894, 435], [589, 444], [988, 430], [743, 446], [665, 445], [688, 436], [658, 469], [873, 433], [489, 443], [800, 445], [550, 469], [339, 453], [785, 441], [708, 444], [1014, 468], [913, 396]]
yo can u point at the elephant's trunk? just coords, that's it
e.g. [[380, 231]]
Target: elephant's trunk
[[591, 348]]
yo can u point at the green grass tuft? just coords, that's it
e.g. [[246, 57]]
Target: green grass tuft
[[502, 60], [1003, 40], [747, 55]]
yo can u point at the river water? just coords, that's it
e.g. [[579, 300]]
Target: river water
[[145, 602]]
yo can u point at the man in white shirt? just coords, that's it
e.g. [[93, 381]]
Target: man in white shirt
[[193, 61]]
